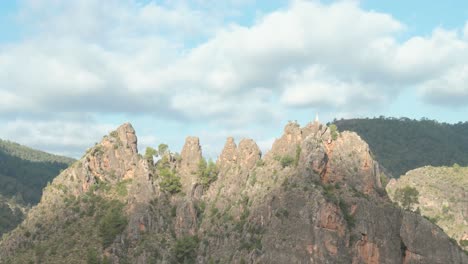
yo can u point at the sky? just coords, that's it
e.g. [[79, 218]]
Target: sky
[[72, 71]]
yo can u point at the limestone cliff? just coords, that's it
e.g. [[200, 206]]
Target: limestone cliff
[[311, 199]]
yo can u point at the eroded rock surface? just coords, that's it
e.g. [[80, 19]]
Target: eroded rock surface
[[190, 158], [323, 206]]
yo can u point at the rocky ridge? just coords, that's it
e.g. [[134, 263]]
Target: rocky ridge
[[443, 197], [311, 199]]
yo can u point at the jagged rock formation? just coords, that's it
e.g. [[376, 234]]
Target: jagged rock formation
[[191, 156], [443, 197], [310, 199]]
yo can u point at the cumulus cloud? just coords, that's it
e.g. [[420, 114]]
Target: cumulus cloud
[[449, 88], [68, 138], [183, 60]]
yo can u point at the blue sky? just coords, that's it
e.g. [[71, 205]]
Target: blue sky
[[71, 71]]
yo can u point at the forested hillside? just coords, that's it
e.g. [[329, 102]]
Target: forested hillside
[[404, 144], [24, 172]]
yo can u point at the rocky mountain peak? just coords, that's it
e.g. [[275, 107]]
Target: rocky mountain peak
[[294, 135], [228, 155], [190, 158], [126, 134], [350, 155], [346, 160], [245, 156], [191, 155], [248, 154], [112, 160]]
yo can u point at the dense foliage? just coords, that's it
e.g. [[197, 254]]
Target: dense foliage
[[170, 181], [26, 153], [9, 218], [24, 172], [404, 144], [207, 172], [185, 249], [407, 197], [112, 223]]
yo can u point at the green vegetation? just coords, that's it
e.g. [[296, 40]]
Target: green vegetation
[[255, 235], [207, 172], [298, 155], [170, 182], [24, 172], [260, 163], [333, 131], [329, 192], [347, 214], [286, 161], [150, 152], [9, 217], [282, 213], [121, 187], [185, 249], [464, 243], [404, 144], [253, 178], [112, 223], [407, 197], [163, 149], [92, 257]]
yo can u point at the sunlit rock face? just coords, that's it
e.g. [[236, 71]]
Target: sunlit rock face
[[323, 203]]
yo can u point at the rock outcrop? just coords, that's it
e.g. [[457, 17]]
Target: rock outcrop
[[228, 155], [443, 197], [294, 135], [190, 158], [323, 204], [236, 164]]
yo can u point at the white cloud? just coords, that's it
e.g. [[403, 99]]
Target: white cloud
[[450, 88], [182, 59], [69, 138]]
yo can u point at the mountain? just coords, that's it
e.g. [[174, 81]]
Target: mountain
[[316, 197], [403, 144], [24, 172], [443, 197]]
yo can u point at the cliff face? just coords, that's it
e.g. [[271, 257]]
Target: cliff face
[[309, 200], [443, 197]]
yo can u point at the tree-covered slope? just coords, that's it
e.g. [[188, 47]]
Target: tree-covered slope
[[404, 144], [24, 172]]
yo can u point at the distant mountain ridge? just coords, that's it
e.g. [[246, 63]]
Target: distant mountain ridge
[[403, 144], [30, 154], [24, 172]]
